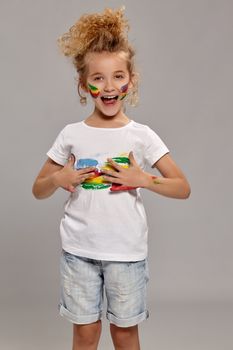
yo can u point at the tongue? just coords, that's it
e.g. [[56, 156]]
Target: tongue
[[109, 102]]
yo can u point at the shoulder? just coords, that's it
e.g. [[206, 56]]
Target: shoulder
[[71, 128], [138, 125], [155, 146], [144, 129]]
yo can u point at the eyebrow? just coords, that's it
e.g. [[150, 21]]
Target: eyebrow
[[95, 74], [99, 73]]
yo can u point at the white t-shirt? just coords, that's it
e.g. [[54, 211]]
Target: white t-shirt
[[99, 223]]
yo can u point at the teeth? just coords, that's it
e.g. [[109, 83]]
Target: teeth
[[109, 97]]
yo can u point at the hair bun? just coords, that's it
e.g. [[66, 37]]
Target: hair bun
[[94, 29]]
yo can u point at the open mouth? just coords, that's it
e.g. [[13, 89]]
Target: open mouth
[[109, 99]]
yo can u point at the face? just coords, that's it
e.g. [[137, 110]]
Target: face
[[108, 81]]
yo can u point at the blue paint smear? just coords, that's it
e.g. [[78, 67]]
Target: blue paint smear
[[85, 162]]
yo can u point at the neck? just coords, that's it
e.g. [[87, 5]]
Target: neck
[[99, 117]]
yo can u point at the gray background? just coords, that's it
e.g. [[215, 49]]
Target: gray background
[[184, 55]]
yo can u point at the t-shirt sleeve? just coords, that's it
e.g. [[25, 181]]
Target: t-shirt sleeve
[[60, 150], [155, 147]]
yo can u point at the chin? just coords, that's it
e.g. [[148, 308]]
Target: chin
[[110, 112]]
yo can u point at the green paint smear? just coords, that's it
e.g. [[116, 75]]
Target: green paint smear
[[93, 88], [94, 186], [121, 160], [121, 98]]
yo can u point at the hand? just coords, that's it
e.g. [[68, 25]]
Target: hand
[[129, 178], [68, 178]]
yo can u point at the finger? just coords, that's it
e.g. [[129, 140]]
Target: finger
[[111, 179], [107, 178], [86, 176], [92, 174], [109, 172], [85, 170], [114, 164]]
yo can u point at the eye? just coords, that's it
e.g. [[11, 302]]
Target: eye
[[119, 76], [98, 78]]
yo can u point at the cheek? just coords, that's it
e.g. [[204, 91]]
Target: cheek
[[94, 90], [94, 94], [124, 91], [124, 88]]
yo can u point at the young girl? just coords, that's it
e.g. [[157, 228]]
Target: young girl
[[101, 162]]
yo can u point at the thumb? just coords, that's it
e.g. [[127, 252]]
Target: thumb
[[131, 158], [71, 160], [71, 189]]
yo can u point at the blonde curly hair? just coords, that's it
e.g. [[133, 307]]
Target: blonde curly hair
[[100, 32]]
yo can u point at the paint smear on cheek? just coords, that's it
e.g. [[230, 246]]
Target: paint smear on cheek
[[124, 90], [94, 91]]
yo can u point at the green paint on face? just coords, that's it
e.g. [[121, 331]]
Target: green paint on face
[[122, 97], [94, 91], [92, 87]]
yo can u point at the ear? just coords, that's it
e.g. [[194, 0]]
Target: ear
[[83, 85], [132, 81], [130, 85]]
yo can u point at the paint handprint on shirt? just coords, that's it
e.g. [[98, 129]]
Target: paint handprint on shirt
[[96, 182]]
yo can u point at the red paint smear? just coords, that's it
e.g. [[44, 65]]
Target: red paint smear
[[119, 187], [94, 94]]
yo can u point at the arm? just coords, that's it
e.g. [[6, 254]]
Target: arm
[[44, 185], [173, 182], [53, 175]]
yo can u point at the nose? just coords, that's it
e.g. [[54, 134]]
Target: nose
[[109, 86]]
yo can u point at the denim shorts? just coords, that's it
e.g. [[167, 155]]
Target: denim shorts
[[82, 283]]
